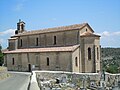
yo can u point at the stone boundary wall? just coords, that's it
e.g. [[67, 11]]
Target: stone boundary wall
[[3, 73], [110, 79], [33, 82], [3, 69]]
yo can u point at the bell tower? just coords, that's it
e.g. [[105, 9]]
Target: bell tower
[[20, 27]]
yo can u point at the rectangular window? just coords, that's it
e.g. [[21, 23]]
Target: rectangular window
[[97, 53], [76, 62], [89, 53], [54, 40], [13, 61], [36, 41], [47, 61], [21, 42], [37, 60]]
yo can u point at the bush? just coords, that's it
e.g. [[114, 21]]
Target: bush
[[1, 59], [112, 69], [1, 56]]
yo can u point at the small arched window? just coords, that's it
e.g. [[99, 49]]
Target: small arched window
[[89, 53], [47, 61], [76, 61], [22, 26]]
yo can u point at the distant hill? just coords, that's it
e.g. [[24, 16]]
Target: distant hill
[[106, 52], [111, 59]]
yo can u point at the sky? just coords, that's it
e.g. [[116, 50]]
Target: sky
[[102, 15]]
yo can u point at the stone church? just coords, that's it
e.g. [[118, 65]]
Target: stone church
[[73, 48]]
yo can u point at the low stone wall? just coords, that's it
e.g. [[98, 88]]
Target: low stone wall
[[3, 69], [33, 82], [48, 79], [3, 73]]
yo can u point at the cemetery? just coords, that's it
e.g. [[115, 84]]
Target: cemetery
[[59, 80]]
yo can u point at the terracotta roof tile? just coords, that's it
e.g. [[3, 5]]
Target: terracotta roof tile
[[12, 38], [4, 50], [55, 29], [88, 34], [50, 49]]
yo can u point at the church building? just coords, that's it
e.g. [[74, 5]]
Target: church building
[[73, 48]]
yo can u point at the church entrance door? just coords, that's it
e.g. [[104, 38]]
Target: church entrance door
[[29, 67]]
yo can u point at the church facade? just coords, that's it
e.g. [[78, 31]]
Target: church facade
[[73, 48]]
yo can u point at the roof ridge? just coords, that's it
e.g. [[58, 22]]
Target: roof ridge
[[72, 25]]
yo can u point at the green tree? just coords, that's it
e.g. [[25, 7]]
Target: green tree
[[112, 69], [1, 56]]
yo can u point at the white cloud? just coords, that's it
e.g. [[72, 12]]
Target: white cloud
[[1, 40], [8, 32], [18, 7], [108, 34], [5, 35], [54, 19], [105, 33], [110, 39], [0, 32], [116, 33]]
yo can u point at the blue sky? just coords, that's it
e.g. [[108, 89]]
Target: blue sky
[[102, 15]]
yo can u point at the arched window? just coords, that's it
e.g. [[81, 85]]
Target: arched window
[[16, 32], [97, 53], [54, 40], [36, 41], [76, 61], [22, 26], [89, 53], [13, 61], [47, 61]]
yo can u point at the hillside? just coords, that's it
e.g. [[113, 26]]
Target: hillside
[[111, 59]]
